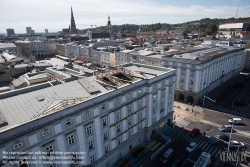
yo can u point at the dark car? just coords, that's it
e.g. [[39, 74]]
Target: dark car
[[177, 162], [223, 137], [195, 132]]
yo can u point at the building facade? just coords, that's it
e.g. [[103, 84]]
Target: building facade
[[103, 122], [10, 31], [199, 72]]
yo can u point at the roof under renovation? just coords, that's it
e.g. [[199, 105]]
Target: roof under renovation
[[19, 106]]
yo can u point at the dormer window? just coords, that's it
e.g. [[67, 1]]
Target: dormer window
[[68, 123], [103, 106], [46, 132], [139, 91], [129, 95], [17, 144]]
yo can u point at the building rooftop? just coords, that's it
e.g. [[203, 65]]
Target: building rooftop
[[157, 56], [23, 105], [231, 26], [7, 45]]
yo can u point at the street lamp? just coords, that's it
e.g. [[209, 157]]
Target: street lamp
[[207, 98]]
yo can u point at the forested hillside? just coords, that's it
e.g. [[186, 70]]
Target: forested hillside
[[207, 26]]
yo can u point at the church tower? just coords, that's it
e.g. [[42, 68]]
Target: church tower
[[109, 26], [73, 24]]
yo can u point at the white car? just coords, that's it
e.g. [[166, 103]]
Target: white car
[[191, 147], [235, 144]]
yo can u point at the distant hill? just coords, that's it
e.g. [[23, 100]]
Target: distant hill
[[190, 26]]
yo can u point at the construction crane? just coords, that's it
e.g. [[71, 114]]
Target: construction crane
[[91, 25]]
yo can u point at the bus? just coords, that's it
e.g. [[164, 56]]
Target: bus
[[204, 160]]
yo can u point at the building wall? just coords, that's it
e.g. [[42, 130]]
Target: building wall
[[152, 61], [134, 102], [60, 49], [195, 78]]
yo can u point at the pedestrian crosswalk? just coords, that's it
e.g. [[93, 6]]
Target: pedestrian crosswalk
[[232, 112], [181, 122], [203, 144]]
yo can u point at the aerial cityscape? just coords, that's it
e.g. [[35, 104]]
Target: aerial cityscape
[[125, 83]]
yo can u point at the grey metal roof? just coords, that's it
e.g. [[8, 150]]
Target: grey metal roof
[[158, 56], [23, 107], [7, 45]]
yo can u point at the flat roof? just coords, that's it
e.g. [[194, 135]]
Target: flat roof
[[7, 45], [17, 107], [157, 56]]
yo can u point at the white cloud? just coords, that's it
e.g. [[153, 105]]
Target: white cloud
[[55, 14]]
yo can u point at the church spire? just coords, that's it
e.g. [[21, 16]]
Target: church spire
[[109, 26], [73, 24]]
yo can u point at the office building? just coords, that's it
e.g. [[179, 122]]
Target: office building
[[10, 31], [46, 32], [200, 71], [102, 115], [28, 30]]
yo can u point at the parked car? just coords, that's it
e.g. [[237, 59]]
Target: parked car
[[166, 156], [235, 121], [177, 162], [191, 147], [223, 137], [236, 144], [212, 140], [195, 132], [226, 128]]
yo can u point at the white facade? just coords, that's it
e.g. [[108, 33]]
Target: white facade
[[197, 74], [72, 50], [103, 126]]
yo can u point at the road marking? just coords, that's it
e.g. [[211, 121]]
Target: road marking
[[218, 125], [211, 148], [216, 155], [203, 142], [214, 151], [204, 146], [191, 138], [188, 136], [195, 140], [208, 147], [185, 136], [191, 160], [188, 157]]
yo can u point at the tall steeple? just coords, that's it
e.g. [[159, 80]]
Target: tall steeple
[[109, 26], [73, 24]]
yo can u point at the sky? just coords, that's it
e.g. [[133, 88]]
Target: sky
[[55, 15]]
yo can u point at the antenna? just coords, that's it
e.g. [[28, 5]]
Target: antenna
[[237, 11]]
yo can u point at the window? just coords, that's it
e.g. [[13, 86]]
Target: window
[[106, 149], [68, 122], [118, 128], [89, 130], [71, 139], [18, 144], [139, 102], [153, 120], [129, 122], [118, 115], [154, 86], [91, 145], [163, 83], [92, 159], [103, 106], [46, 132], [119, 155], [87, 114], [139, 91], [49, 149], [139, 126], [117, 101], [154, 97], [119, 141], [191, 82], [74, 158], [139, 116], [129, 107], [170, 89], [154, 110], [104, 121], [162, 93], [129, 133], [105, 136], [162, 105], [129, 95], [53, 165]]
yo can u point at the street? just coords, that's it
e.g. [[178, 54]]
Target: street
[[208, 124]]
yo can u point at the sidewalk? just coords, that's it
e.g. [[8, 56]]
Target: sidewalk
[[193, 116], [185, 106]]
